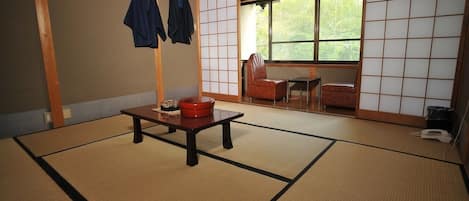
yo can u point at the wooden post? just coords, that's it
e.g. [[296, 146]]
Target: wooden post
[[159, 73], [50, 65]]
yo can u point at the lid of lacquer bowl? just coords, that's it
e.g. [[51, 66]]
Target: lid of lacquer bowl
[[196, 102]]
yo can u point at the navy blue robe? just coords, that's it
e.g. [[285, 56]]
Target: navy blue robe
[[144, 18], [180, 21]]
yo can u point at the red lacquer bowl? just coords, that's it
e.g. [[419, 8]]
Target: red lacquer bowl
[[197, 106]]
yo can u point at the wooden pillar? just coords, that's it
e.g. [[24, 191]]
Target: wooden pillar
[[50, 65], [159, 74]]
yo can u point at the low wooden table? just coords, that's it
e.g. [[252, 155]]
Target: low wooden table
[[191, 125], [307, 82]]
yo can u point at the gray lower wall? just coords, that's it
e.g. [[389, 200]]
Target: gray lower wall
[[86, 111], [15, 124]]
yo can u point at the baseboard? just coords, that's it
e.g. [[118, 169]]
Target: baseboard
[[223, 97], [392, 118], [14, 124], [86, 111]]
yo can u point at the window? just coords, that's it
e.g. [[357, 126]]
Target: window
[[318, 31]]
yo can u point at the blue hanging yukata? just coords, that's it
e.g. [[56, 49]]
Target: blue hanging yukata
[[144, 18], [180, 21]]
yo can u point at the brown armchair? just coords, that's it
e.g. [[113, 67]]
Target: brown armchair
[[258, 86]]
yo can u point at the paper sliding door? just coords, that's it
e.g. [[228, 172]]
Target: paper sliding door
[[219, 50]]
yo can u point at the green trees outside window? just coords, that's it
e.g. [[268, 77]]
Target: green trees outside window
[[286, 30]]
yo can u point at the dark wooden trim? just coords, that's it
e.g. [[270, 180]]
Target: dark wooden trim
[[405, 65], [223, 97], [316, 30], [312, 65], [358, 79], [411, 18], [50, 65], [419, 97], [270, 29], [423, 78], [407, 120], [462, 53]]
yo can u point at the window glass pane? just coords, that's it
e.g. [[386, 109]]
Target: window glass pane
[[340, 19], [262, 30], [293, 51], [292, 20], [339, 51]]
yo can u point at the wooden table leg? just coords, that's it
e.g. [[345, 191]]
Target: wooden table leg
[[138, 137], [171, 129], [191, 158], [227, 136]]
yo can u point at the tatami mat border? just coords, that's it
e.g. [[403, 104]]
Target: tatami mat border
[[279, 194], [231, 162], [352, 142], [71, 192], [461, 166], [81, 145], [75, 195]]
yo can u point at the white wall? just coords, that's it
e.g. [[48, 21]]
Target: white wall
[[248, 30]]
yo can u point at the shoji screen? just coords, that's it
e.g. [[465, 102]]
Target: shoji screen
[[409, 55], [219, 47]]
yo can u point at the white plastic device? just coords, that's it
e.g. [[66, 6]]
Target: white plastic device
[[438, 134]]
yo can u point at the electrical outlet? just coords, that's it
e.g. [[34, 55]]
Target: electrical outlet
[[67, 113], [47, 117]]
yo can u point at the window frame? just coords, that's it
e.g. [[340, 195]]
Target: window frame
[[316, 41]]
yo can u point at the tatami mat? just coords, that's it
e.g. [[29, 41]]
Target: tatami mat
[[358, 173], [278, 152], [43, 143], [117, 169], [22, 179], [378, 134]]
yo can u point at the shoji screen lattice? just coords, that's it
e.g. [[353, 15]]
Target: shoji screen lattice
[[219, 46], [410, 54]]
